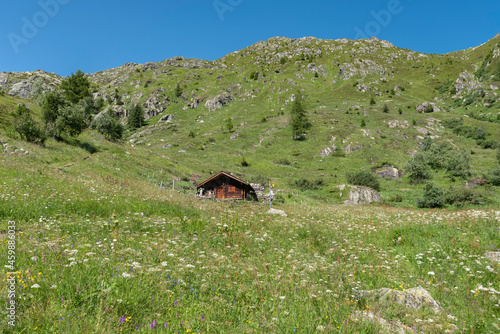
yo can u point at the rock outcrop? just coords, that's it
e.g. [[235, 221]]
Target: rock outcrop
[[411, 298], [427, 107], [389, 172], [218, 101], [362, 195]]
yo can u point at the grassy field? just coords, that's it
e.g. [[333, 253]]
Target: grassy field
[[99, 252]]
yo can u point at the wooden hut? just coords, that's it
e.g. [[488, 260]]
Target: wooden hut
[[225, 186]]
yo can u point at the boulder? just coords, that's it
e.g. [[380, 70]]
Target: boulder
[[234, 136], [389, 172], [167, 118], [353, 147], [427, 107], [153, 107], [327, 151], [413, 298], [276, 212], [362, 195], [218, 101]]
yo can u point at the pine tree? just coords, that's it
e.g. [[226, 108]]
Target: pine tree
[[76, 87], [136, 117], [178, 91], [299, 119]]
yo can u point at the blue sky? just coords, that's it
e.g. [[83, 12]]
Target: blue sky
[[62, 36]]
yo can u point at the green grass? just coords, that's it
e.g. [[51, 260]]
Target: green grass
[[105, 242]]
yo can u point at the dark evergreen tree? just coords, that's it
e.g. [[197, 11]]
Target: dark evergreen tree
[[299, 119], [136, 118], [178, 91], [76, 87]]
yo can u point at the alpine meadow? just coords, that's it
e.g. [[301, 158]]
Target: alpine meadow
[[384, 168]]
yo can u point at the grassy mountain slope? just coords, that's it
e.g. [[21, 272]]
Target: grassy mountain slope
[[104, 245], [254, 88]]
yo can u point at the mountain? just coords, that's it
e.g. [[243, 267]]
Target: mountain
[[370, 104]]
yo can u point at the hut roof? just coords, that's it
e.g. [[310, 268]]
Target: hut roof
[[220, 174]]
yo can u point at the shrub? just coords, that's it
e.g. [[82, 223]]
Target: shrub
[[461, 195], [385, 109], [494, 177], [178, 91], [306, 184], [417, 169], [338, 153], [457, 163], [109, 125], [279, 199], [363, 123], [72, 121], [363, 178], [433, 197], [453, 123], [396, 198], [283, 161], [27, 127], [372, 101], [435, 155], [244, 163]]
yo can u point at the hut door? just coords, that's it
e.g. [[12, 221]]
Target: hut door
[[219, 193]]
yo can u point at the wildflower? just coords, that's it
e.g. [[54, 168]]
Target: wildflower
[[153, 324], [62, 299], [166, 325], [431, 273], [35, 286], [175, 302], [122, 319], [126, 275]]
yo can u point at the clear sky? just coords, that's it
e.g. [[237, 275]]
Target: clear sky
[[62, 36]]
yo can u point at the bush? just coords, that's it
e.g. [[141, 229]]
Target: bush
[[72, 120], [306, 184], [435, 155], [396, 198], [457, 163], [494, 177], [372, 101], [385, 109], [283, 161], [461, 195], [279, 199], [363, 178], [433, 197], [109, 125], [453, 123], [27, 127], [244, 163], [417, 169]]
